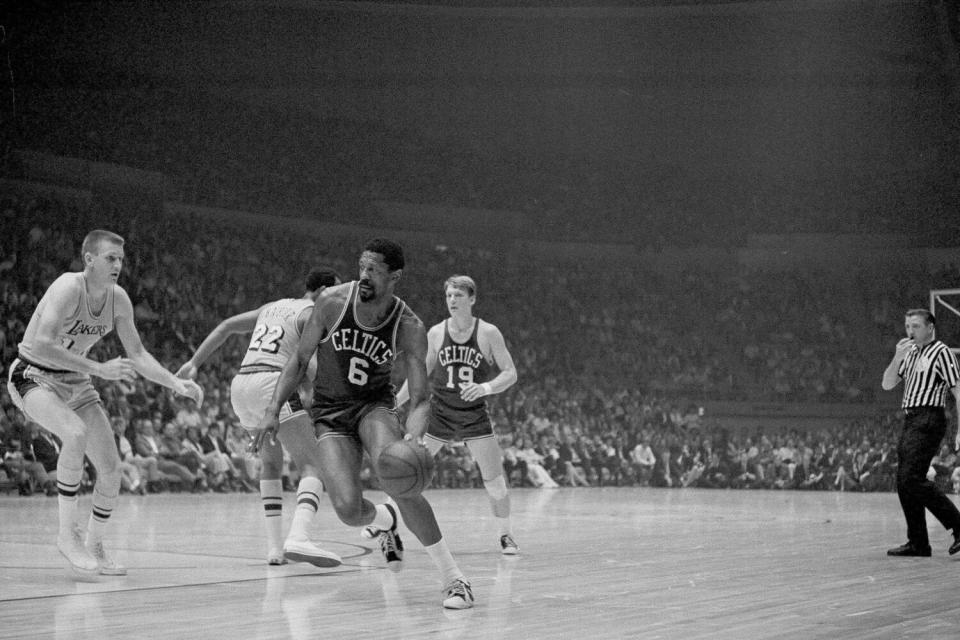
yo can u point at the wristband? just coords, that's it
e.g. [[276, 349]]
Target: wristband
[[486, 388]]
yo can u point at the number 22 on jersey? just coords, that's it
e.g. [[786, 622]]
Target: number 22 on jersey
[[266, 338]]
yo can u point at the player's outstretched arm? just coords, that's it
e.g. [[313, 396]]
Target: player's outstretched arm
[[240, 323], [145, 364], [412, 344]]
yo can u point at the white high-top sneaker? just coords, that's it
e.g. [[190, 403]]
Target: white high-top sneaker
[[72, 548]]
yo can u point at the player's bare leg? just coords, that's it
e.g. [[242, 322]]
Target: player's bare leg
[[53, 414], [377, 430], [102, 451], [340, 458], [486, 451], [271, 493], [297, 436]]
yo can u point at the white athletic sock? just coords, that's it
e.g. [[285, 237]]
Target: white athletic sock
[[271, 492], [506, 529], [68, 487], [383, 519], [103, 506], [308, 500], [441, 557]]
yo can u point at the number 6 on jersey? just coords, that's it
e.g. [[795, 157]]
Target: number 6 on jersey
[[358, 371]]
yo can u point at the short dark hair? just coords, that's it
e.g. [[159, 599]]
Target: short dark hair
[[390, 250], [91, 244], [321, 277], [926, 314]]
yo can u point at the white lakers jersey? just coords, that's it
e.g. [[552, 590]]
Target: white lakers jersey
[[79, 331]]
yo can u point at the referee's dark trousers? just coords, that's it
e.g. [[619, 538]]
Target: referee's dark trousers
[[923, 430]]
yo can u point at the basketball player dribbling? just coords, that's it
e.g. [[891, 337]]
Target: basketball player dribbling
[[276, 328], [357, 330], [50, 381], [462, 353]]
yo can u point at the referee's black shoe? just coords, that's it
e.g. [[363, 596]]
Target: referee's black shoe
[[908, 550], [956, 541]]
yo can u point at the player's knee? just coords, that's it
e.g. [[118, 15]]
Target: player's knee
[[309, 470], [307, 462], [73, 440], [271, 459], [350, 512], [496, 488], [70, 462], [271, 470], [109, 479]]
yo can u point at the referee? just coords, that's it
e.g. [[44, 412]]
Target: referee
[[928, 368]]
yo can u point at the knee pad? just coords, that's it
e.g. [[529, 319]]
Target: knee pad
[[497, 488]]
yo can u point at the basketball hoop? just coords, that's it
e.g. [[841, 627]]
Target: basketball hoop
[[948, 322]]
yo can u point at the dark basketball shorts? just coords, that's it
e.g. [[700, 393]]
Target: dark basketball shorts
[[344, 418], [452, 424]]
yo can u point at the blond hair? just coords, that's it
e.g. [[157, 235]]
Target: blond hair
[[464, 283], [91, 244]]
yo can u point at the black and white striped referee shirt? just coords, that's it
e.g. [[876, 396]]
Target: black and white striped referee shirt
[[928, 372]]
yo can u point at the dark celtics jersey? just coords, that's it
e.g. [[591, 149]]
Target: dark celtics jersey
[[354, 362], [458, 364]]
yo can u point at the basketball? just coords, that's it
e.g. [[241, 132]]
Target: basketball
[[405, 469]]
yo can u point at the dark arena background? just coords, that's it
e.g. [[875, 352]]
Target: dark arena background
[[697, 224]]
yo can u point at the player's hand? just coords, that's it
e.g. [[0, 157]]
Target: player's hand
[[904, 346], [266, 433], [190, 389], [956, 441], [188, 371], [473, 391], [117, 369]]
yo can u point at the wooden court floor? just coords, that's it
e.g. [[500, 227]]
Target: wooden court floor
[[595, 563]]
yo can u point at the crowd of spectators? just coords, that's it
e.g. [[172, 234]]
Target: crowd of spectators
[[674, 450], [221, 152], [612, 369]]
